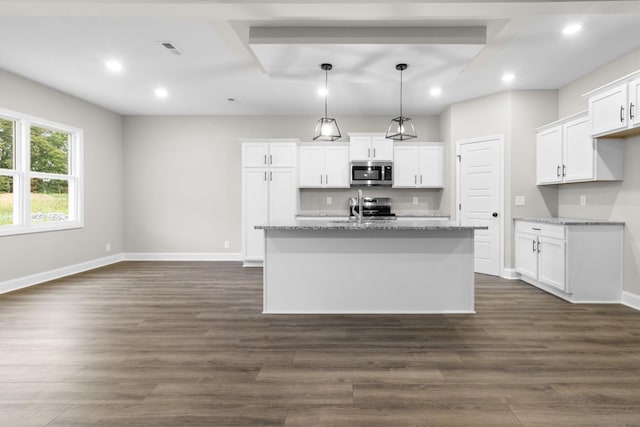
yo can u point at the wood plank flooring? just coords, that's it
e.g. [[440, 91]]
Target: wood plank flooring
[[186, 344]]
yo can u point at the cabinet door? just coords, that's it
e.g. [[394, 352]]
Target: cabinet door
[[549, 156], [255, 154], [360, 148], [336, 167], [579, 150], [282, 154], [634, 97], [282, 194], [255, 210], [431, 171], [310, 166], [405, 166], [608, 110], [527, 254], [381, 149], [551, 262]]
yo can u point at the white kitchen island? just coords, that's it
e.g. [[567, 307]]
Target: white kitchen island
[[422, 266]]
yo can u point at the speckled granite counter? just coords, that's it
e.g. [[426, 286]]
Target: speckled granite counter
[[569, 221], [319, 225]]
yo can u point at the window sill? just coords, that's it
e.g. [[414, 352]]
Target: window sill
[[11, 230]]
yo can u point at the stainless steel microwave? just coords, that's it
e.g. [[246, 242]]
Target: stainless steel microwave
[[371, 173]]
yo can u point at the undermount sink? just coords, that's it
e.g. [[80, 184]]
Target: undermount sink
[[363, 222]]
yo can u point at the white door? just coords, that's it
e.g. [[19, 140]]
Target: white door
[[360, 148], [527, 254], [634, 97], [480, 198], [310, 166], [551, 262], [282, 154], [549, 156], [282, 194], [255, 210], [382, 148], [431, 171], [336, 166], [609, 110], [255, 154], [405, 166], [578, 151]]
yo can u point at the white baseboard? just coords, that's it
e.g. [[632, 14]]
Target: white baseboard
[[34, 279], [182, 256], [510, 273], [631, 300]]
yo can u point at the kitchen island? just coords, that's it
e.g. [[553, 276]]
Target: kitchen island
[[341, 266]]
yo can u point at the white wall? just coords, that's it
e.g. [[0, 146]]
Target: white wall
[[29, 254], [618, 201], [184, 182]]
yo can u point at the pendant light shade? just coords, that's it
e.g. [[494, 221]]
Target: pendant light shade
[[401, 128], [327, 127]]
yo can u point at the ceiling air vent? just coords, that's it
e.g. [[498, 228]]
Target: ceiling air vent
[[170, 47]]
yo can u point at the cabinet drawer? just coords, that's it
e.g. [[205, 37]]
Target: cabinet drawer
[[541, 229]]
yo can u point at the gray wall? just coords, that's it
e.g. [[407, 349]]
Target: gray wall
[[28, 254], [514, 115], [612, 200], [183, 191]]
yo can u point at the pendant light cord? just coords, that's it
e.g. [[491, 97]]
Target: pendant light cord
[[326, 91], [401, 97]]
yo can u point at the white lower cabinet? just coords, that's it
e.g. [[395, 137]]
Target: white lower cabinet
[[579, 262], [269, 193]]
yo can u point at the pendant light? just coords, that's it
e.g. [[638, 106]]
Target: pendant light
[[401, 127], [326, 127]]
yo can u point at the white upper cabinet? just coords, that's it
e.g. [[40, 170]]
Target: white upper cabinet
[[614, 107], [323, 166], [418, 166], [263, 153], [370, 147], [565, 152]]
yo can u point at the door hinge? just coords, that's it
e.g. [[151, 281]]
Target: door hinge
[[459, 156], [459, 206]]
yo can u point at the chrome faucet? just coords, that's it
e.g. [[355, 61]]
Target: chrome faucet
[[359, 206]]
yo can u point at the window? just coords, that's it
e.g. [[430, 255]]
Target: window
[[40, 175]]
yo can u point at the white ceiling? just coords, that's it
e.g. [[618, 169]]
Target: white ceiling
[[64, 44]]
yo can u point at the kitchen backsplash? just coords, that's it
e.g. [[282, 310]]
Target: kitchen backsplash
[[401, 198]]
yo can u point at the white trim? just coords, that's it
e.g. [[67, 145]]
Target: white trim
[[182, 256], [631, 300], [35, 279], [501, 203], [510, 274]]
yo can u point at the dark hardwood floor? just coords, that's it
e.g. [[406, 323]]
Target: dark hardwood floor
[[185, 344]]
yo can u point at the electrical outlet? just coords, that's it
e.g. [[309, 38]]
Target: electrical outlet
[[329, 200], [583, 200], [226, 244], [520, 200], [415, 200], [107, 247]]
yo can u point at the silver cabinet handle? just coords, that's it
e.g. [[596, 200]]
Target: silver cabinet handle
[[326, 179], [415, 179], [631, 115], [265, 159], [621, 113], [534, 228], [320, 178], [558, 171], [538, 246], [270, 176], [420, 179], [265, 175], [270, 159], [564, 168], [368, 152], [374, 153], [534, 245]]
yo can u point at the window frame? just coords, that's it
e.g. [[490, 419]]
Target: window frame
[[22, 175]]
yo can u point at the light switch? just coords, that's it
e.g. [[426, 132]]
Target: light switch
[[583, 200], [415, 200], [329, 200], [519, 200]]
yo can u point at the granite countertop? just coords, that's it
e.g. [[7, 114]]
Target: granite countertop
[[401, 214], [570, 221], [345, 224]]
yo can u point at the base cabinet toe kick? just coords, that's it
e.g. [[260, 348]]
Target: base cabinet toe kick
[[399, 268], [577, 260]]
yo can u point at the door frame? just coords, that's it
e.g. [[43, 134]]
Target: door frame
[[501, 202]]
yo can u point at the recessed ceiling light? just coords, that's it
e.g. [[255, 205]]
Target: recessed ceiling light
[[161, 92], [572, 29], [323, 91], [435, 91], [113, 65], [508, 77]]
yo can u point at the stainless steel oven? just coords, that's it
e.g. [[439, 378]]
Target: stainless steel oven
[[371, 173]]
